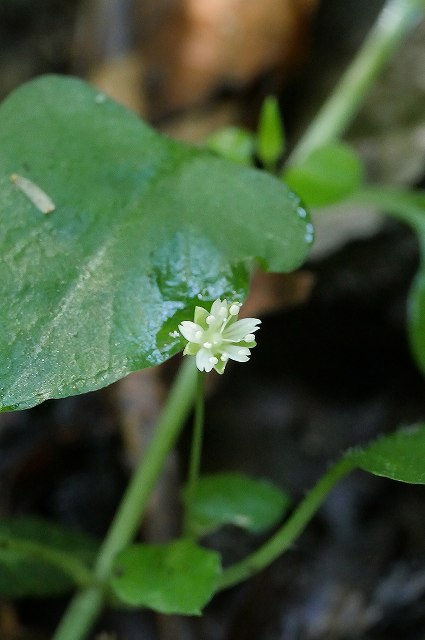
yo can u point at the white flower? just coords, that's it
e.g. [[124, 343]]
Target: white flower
[[218, 336]]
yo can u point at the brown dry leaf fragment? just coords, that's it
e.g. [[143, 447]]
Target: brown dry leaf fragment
[[120, 79], [9, 623], [201, 47], [139, 399], [276, 291]]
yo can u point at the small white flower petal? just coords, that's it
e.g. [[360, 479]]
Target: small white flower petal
[[203, 360], [220, 310], [240, 354], [239, 329], [215, 336], [200, 316], [191, 331], [217, 306]]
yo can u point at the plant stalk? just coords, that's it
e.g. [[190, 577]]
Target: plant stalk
[[289, 531], [66, 562], [86, 605], [195, 454], [394, 22]]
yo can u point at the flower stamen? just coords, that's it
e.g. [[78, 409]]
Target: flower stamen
[[216, 337]]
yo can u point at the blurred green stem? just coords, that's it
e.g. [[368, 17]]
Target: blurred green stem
[[290, 531], [394, 22], [86, 605], [195, 453], [70, 565]]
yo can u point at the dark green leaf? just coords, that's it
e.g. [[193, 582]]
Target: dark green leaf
[[409, 207], [179, 577], [232, 498], [270, 136], [143, 230], [328, 175], [24, 570], [233, 143], [399, 456], [416, 316]]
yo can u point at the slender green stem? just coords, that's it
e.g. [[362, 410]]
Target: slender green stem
[[402, 203], [66, 562], [394, 22], [292, 528], [87, 604], [197, 434], [195, 453]]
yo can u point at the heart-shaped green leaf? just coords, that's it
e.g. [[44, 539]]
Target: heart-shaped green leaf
[[399, 456], [233, 498], [143, 229], [179, 577]]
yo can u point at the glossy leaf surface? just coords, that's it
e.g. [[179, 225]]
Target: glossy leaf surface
[[143, 230]]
